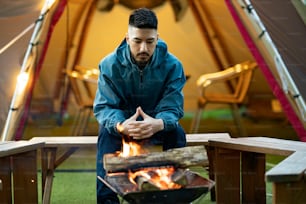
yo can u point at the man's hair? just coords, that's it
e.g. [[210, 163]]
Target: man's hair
[[143, 18]]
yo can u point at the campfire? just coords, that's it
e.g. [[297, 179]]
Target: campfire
[[139, 176]]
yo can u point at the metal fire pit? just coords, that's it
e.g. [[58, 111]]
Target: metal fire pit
[[196, 187]]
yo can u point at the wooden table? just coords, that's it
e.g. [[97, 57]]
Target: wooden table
[[244, 158], [18, 171], [50, 159]]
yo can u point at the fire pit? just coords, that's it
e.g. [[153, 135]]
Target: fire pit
[[157, 177], [142, 177], [194, 187]]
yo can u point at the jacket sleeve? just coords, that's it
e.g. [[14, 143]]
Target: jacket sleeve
[[171, 107], [106, 103]]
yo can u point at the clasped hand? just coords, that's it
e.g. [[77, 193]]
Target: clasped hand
[[141, 129]]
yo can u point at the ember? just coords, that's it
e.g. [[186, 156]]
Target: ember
[[157, 177]]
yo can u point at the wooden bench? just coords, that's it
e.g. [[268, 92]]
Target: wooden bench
[[18, 171], [50, 160], [244, 158], [289, 179]]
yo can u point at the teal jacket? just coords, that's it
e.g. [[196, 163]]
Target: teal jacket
[[122, 87]]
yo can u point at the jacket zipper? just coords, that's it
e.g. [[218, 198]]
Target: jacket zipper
[[141, 77]]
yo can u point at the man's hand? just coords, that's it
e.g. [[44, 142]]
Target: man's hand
[[141, 129], [124, 127]]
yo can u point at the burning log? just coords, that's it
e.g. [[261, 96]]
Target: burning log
[[158, 178], [145, 184], [163, 178], [179, 177], [178, 157]]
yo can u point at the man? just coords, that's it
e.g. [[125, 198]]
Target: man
[[139, 94]]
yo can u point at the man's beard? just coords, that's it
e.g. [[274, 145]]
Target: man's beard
[[143, 61], [141, 64]]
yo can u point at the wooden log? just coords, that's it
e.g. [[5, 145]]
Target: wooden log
[[177, 157], [179, 177], [145, 184]]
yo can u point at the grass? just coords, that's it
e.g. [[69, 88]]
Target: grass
[[74, 188]]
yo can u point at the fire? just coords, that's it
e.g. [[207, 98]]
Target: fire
[[159, 177], [129, 147]]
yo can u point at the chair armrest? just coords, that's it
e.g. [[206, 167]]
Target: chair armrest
[[227, 74], [88, 76], [206, 79]]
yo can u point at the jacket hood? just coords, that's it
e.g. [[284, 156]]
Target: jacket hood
[[160, 53]]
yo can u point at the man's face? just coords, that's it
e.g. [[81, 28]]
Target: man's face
[[142, 43]]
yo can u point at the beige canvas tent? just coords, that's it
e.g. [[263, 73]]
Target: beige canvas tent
[[41, 41]]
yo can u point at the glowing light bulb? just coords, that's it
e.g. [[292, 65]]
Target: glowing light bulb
[[22, 81]]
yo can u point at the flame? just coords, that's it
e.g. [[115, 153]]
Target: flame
[[159, 177], [129, 147]]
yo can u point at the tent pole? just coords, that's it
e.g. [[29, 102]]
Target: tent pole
[[5, 134], [205, 33]]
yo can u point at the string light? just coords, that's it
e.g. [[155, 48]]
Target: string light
[[22, 81]]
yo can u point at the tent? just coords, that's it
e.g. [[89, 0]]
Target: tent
[[41, 41]]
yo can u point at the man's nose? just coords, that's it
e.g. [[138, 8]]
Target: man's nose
[[143, 46]]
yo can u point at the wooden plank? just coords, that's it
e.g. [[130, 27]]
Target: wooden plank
[[22, 167], [260, 145], [5, 142], [48, 158], [25, 177], [17, 147], [48, 187], [65, 156], [227, 176], [202, 139], [253, 167], [5, 180], [63, 141], [286, 144], [291, 192], [290, 169], [57, 141]]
